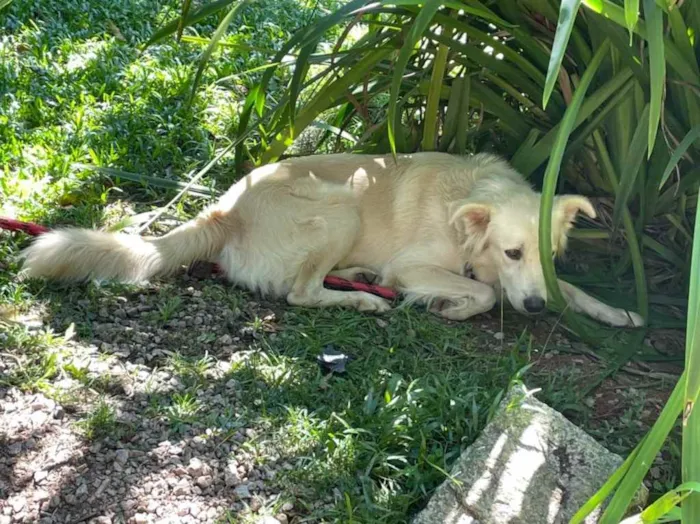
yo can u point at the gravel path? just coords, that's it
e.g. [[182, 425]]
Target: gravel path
[[187, 462]]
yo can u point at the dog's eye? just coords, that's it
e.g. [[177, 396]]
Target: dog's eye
[[514, 254]]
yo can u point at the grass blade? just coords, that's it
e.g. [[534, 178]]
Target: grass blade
[[657, 67], [419, 25], [194, 189], [567, 17], [678, 153], [218, 34]]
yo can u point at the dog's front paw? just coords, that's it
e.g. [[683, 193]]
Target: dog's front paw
[[372, 304], [634, 319], [624, 318]]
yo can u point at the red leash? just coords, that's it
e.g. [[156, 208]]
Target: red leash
[[10, 224]]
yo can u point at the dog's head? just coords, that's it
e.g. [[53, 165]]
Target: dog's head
[[502, 242]]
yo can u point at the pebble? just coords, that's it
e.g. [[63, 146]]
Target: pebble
[[122, 456], [498, 335], [268, 520], [40, 476], [195, 467], [242, 492], [204, 481], [287, 507]]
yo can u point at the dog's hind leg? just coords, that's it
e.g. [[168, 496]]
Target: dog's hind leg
[[446, 294], [581, 302], [333, 233]]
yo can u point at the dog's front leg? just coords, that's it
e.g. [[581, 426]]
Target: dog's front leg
[[446, 294], [581, 302]]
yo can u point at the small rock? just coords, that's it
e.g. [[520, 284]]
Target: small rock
[[40, 476], [231, 476], [82, 490], [205, 481], [17, 504], [181, 488], [14, 449], [141, 518], [268, 520], [122, 456], [195, 467], [41, 495], [104, 519], [287, 507], [282, 518], [499, 335], [242, 492]]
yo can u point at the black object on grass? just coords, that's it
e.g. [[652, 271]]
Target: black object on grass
[[332, 360]]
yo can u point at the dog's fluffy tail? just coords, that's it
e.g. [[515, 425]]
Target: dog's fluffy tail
[[81, 254]]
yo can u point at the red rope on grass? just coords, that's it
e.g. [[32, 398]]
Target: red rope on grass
[[10, 224]]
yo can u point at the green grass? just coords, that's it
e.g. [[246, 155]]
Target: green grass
[[101, 421]]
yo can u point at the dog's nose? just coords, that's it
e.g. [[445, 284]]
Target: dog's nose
[[534, 304]]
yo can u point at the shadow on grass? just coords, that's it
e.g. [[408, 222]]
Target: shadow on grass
[[370, 444]]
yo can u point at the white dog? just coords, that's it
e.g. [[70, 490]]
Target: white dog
[[418, 225]]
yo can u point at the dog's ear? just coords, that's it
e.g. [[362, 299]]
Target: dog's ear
[[472, 219], [566, 209]]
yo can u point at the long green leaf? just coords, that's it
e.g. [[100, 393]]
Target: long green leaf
[[192, 18], [463, 121], [631, 16], [419, 25], [542, 150], [635, 251], [678, 153], [432, 106], [691, 414], [606, 489], [328, 96], [567, 17], [657, 67], [218, 34], [449, 128], [668, 501], [183, 16], [645, 456], [630, 169], [552, 173]]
